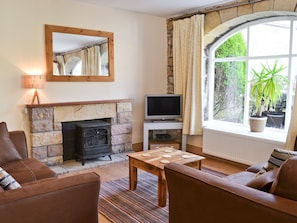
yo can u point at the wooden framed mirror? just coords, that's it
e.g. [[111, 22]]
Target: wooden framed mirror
[[74, 54]]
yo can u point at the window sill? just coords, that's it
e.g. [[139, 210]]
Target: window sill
[[268, 135]]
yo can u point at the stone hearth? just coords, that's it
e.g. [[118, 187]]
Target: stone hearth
[[45, 125]]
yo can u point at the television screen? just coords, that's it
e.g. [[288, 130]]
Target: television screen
[[163, 107]]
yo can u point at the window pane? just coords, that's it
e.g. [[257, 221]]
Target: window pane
[[229, 91], [234, 46], [270, 38], [276, 113]]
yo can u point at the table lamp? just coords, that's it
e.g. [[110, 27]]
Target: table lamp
[[35, 82]]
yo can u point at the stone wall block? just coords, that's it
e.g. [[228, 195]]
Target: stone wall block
[[228, 14], [121, 129], [113, 121], [52, 161], [211, 21], [48, 138], [245, 10], [263, 6], [45, 113], [117, 149], [124, 107], [55, 150], [120, 139], [42, 126], [170, 25], [40, 152], [84, 112], [126, 147], [285, 5], [57, 126], [124, 117]]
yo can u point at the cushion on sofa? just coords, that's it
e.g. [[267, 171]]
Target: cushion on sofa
[[7, 182], [285, 183], [8, 151], [278, 157], [264, 181], [256, 167], [28, 170]]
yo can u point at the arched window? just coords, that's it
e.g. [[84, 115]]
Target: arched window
[[230, 63]]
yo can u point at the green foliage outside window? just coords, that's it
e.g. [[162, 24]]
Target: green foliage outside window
[[230, 80]]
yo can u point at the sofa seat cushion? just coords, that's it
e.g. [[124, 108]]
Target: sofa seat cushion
[[242, 178], [28, 170]]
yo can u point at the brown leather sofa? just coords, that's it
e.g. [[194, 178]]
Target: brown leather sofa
[[196, 196], [44, 197]]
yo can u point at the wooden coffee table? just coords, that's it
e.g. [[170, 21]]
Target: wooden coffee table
[[153, 161]]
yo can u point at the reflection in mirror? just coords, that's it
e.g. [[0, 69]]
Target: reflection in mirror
[[78, 54]]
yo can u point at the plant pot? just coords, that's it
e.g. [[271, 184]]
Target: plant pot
[[257, 124]]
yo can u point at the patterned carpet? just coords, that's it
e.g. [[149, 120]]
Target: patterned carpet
[[119, 204]]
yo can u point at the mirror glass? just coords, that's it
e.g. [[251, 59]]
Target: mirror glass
[[74, 54]]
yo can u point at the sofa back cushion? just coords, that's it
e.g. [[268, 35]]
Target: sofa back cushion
[[285, 183], [8, 151]]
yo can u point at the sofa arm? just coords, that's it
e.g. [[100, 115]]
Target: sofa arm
[[71, 199], [198, 196], [19, 140]]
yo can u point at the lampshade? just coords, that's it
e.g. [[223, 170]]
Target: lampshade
[[36, 82], [33, 81]]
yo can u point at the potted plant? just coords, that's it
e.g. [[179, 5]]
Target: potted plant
[[266, 90]]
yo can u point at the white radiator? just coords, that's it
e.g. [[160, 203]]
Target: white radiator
[[240, 145]]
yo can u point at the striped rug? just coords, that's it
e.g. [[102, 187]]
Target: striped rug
[[119, 204]]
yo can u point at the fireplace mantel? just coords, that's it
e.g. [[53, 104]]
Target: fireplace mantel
[[78, 103], [45, 125]]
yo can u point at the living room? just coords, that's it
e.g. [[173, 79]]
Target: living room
[[134, 77], [140, 61]]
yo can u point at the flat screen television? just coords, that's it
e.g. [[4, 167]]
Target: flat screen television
[[163, 107]]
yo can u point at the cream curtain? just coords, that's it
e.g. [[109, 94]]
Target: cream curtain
[[292, 131], [59, 65], [93, 55], [188, 66]]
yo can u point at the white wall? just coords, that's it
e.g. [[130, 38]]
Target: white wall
[[240, 145], [139, 46]]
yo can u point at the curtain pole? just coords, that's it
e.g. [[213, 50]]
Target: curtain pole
[[214, 9]]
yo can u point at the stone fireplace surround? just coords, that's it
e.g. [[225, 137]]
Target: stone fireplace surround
[[45, 125]]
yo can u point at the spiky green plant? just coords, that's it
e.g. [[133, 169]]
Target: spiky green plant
[[267, 86]]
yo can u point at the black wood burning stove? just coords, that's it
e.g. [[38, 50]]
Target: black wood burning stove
[[93, 140]]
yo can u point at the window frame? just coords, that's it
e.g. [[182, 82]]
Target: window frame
[[211, 60]]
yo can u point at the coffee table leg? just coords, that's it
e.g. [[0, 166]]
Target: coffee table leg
[[162, 189], [132, 175]]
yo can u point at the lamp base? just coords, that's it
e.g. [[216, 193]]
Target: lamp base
[[35, 96]]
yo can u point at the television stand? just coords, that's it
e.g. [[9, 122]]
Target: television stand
[[161, 121], [162, 125]]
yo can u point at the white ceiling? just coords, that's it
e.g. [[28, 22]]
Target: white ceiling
[[162, 8]]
